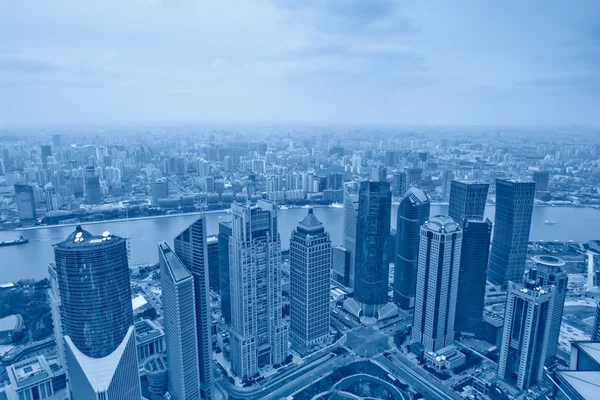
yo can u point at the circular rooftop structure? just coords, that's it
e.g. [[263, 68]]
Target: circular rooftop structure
[[550, 261], [156, 373], [441, 224]]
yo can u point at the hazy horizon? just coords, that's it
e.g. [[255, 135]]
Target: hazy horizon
[[278, 62]]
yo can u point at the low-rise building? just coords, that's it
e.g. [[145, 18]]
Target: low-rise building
[[446, 358], [34, 378], [150, 340]]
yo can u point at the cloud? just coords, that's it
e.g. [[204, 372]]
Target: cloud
[[23, 64], [218, 63], [355, 17]]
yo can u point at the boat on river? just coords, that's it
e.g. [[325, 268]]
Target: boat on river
[[18, 240]]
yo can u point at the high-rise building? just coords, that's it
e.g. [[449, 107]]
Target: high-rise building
[[413, 211], [310, 275], [349, 225], [340, 265], [550, 272], [25, 202], [447, 177], [51, 198], [467, 200], [541, 179], [526, 330], [373, 230], [93, 195], [180, 325], [97, 316], [56, 142], [2, 171], [191, 248], [399, 184], [224, 234], [54, 300], [596, 331], [414, 177], [437, 283], [212, 248], [160, 190], [45, 153], [514, 207], [473, 274], [258, 335]]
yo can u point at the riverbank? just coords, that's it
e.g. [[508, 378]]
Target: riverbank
[[225, 210]]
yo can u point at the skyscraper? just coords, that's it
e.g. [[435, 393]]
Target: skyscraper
[[413, 211], [437, 283], [372, 264], [467, 200], [212, 249], [97, 317], [526, 331], [414, 177], [180, 325], [399, 183], [541, 179], [258, 334], [447, 177], [472, 276], [349, 225], [45, 153], [514, 206], [340, 265], [160, 190], [310, 275], [596, 331], [25, 202], [550, 271], [93, 195], [191, 248], [224, 234]]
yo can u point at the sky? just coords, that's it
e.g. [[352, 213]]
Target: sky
[[433, 62]]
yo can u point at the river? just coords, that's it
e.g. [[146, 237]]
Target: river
[[31, 260]]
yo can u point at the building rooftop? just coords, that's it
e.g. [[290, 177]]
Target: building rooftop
[[157, 363], [81, 238], [310, 224], [174, 265], [441, 224], [29, 371], [591, 348], [212, 239], [585, 383], [415, 196], [147, 330], [550, 261], [11, 323]]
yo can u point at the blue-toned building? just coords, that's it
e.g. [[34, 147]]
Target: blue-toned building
[[473, 275], [180, 325], [514, 207], [97, 317], [413, 211], [373, 230], [223, 238], [192, 249]]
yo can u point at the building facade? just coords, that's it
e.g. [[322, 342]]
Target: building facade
[[596, 331], [467, 200], [258, 334], [373, 229], [413, 211], [340, 265], [514, 207], [437, 283], [180, 325], [349, 225], [473, 275], [310, 275], [526, 331], [25, 202], [212, 248], [93, 194], [224, 234], [550, 272], [190, 246], [97, 316]]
